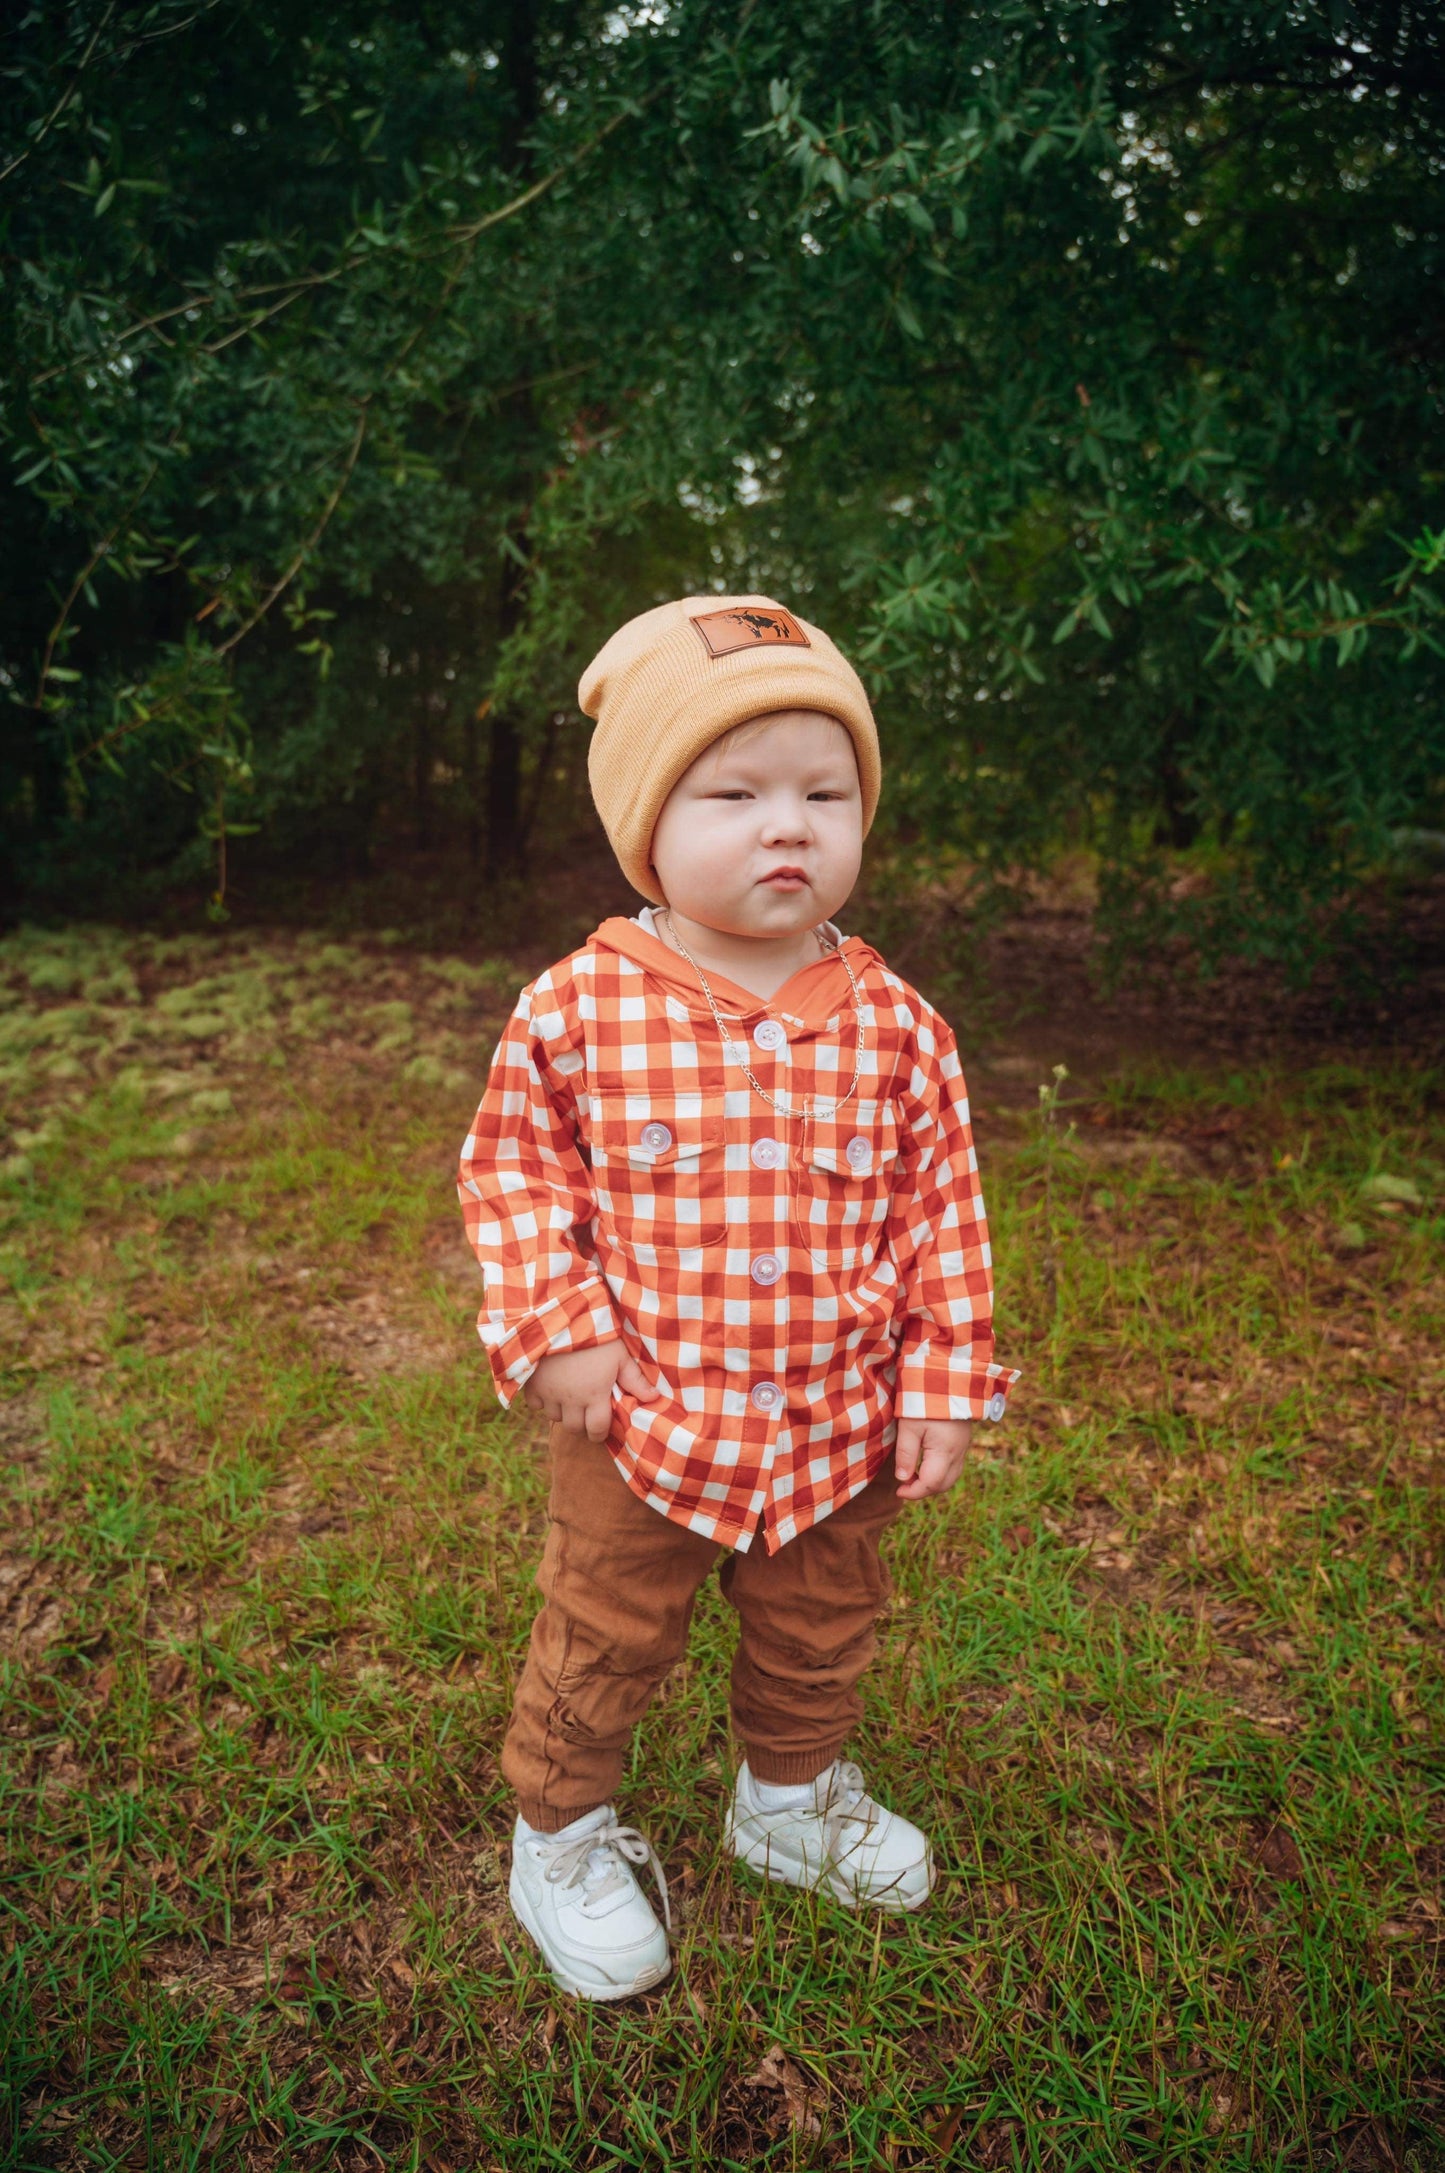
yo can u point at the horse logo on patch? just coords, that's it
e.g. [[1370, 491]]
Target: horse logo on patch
[[750, 626]]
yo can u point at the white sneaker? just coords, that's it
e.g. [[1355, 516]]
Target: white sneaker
[[865, 1856], [576, 1895]]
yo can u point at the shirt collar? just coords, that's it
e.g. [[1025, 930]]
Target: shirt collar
[[812, 996]]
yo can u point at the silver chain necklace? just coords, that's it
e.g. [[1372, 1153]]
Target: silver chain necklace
[[736, 1049]]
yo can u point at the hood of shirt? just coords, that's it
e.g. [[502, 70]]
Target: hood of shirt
[[812, 996]]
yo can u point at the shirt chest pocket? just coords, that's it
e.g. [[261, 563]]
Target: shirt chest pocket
[[850, 1165], [659, 1170]]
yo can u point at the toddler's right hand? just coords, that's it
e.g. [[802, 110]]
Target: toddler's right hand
[[574, 1388]]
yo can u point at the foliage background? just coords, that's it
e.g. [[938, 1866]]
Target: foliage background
[[1080, 364]]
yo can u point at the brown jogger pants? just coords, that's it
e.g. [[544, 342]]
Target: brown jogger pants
[[618, 1581]]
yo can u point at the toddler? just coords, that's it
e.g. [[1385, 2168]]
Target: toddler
[[723, 1190]]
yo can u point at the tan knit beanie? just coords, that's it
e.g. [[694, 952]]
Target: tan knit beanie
[[673, 680]]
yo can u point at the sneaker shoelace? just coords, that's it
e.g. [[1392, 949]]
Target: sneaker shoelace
[[847, 1803], [570, 1863]]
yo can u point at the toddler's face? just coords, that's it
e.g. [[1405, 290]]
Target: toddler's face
[[763, 835]]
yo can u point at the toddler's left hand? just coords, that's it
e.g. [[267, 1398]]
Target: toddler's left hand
[[929, 1455]]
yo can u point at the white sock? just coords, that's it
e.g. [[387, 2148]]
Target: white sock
[[782, 1795], [572, 1832]]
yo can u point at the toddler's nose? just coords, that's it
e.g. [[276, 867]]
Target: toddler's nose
[[788, 825]]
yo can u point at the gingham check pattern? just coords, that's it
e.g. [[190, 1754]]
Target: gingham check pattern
[[791, 1280]]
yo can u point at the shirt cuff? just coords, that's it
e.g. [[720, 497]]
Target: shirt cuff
[[935, 1383], [578, 1319]]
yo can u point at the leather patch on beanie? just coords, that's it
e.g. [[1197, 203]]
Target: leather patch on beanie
[[749, 626]]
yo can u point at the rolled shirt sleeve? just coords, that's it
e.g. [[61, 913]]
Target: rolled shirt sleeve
[[526, 1191]]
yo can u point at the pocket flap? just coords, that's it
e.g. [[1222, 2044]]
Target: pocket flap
[[859, 1142], [650, 1132]]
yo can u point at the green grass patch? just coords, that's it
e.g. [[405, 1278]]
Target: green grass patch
[[1162, 1676]]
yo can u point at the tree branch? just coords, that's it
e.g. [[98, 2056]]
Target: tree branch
[[64, 99], [152, 37], [291, 289], [223, 648], [63, 616]]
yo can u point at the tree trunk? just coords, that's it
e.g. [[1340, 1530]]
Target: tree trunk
[[504, 796], [1176, 823], [471, 785], [504, 827], [541, 777], [423, 759]]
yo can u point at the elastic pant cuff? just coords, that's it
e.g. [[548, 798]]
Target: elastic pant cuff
[[552, 1817], [783, 1768]]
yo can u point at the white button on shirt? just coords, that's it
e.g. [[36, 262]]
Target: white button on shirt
[[769, 1154], [765, 1267], [656, 1138], [767, 1395], [859, 1152], [994, 1408], [769, 1035]]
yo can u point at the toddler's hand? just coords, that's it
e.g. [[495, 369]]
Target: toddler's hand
[[929, 1455], [574, 1388]]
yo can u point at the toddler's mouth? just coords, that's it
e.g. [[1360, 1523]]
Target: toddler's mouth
[[785, 879]]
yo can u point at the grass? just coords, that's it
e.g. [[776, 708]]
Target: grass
[[1163, 1676]]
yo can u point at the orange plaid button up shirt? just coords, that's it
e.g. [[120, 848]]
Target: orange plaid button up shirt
[[791, 1279]]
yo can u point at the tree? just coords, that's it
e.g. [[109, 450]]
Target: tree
[[1080, 363]]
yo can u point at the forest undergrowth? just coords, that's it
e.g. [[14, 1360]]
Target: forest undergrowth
[[1163, 1675]]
